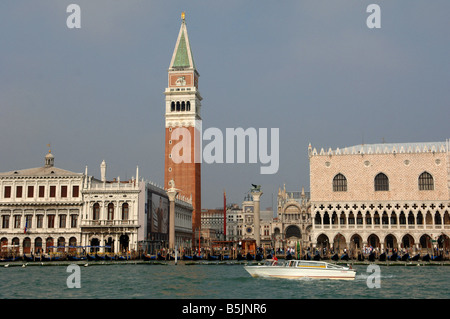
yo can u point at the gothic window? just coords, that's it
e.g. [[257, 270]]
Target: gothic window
[[183, 106], [411, 218], [419, 218], [178, 106], [172, 107], [342, 219], [381, 182], [376, 218], [437, 219], [385, 219], [359, 219], [426, 182], [339, 183], [368, 219], [351, 219], [188, 106], [317, 219], [326, 219], [402, 218], [393, 218]]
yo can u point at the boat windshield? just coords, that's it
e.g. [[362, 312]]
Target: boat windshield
[[305, 264], [302, 264], [311, 264], [272, 262]]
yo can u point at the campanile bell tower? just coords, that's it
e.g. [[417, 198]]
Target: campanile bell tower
[[183, 111]]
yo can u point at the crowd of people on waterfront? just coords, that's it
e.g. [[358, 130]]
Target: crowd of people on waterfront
[[323, 252]]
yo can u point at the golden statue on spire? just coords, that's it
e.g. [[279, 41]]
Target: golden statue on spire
[[183, 15]]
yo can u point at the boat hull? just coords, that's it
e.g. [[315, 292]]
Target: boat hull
[[289, 273]]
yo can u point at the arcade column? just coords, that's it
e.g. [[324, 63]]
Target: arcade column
[[257, 216]]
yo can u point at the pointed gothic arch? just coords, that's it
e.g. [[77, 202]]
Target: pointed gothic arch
[[339, 243], [356, 242], [318, 219], [323, 241], [374, 241], [407, 241], [390, 241]]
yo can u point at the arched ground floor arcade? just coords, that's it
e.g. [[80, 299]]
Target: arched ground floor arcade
[[120, 242], [19, 244], [355, 242]]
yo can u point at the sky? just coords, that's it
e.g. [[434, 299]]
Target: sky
[[312, 69]]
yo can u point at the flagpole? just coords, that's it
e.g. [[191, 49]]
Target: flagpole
[[224, 215]]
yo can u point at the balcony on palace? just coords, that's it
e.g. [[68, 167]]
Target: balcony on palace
[[109, 223]]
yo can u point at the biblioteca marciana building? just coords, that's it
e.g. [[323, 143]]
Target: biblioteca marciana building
[[49, 209], [388, 196]]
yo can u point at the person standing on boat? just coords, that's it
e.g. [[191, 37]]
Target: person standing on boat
[[275, 260]]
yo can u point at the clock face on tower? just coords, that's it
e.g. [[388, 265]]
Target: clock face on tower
[[249, 230]]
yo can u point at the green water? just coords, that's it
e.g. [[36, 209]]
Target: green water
[[214, 282]]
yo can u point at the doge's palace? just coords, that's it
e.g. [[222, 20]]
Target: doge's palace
[[388, 196]]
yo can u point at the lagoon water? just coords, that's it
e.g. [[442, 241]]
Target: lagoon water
[[214, 281]]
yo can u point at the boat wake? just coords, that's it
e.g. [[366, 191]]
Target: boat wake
[[365, 276]]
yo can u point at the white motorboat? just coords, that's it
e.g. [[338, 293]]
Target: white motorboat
[[294, 269]]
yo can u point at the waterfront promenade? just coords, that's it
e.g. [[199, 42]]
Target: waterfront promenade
[[205, 262]]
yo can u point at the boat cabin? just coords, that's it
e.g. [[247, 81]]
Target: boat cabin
[[302, 264]]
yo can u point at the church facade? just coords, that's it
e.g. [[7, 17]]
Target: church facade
[[293, 223]]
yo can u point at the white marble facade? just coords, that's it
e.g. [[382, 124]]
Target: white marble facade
[[40, 209]]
